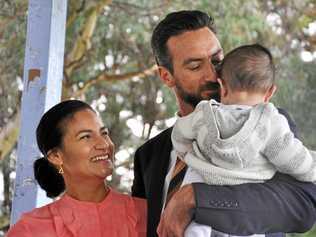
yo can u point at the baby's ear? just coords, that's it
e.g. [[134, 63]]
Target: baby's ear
[[223, 88], [270, 93]]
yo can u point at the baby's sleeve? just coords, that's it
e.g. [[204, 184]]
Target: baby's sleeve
[[288, 153], [185, 131]]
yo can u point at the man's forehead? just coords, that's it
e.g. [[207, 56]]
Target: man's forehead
[[196, 44], [192, 58]]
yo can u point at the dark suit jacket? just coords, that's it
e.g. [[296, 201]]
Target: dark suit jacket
[[280, 205]]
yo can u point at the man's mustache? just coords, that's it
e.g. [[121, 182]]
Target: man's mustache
[[214, 86]]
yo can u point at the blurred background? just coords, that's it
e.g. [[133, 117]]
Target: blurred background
[[108, 63]]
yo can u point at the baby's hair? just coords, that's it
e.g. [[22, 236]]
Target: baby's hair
[[248, 68]]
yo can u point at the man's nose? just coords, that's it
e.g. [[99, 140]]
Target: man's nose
[[210, 73]]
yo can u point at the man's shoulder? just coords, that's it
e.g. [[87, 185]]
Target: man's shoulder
[[160, 139], [284, 113]]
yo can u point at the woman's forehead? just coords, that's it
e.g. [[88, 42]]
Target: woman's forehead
[[84, 120]]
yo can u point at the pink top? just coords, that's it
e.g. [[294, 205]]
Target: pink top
[[118, 215]]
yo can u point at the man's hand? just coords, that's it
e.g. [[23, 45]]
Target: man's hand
[[178, 213]]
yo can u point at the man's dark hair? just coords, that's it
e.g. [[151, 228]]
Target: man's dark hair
[[175, 24], [248, 68]]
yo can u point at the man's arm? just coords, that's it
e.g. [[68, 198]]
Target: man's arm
[[280, 205]]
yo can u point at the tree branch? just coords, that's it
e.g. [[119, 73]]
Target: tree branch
[[105, 77], [9, 135], [83, 42]]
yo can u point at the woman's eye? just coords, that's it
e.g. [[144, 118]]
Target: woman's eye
[[85, 137], [105, 133]]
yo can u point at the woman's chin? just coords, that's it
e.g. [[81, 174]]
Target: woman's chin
[[106, 173]]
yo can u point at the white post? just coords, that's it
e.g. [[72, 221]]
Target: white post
[[43, 73]]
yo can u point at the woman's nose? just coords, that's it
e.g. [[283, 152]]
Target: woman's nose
[[101, 144]]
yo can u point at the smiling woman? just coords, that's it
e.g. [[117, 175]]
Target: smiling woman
[[78, 156]]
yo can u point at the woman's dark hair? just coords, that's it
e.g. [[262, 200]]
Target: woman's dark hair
[[174, 24], [49, 135]]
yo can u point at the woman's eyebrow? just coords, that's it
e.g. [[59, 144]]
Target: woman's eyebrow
[[84, 131], [104, 129]]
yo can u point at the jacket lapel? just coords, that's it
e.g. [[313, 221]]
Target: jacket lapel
[[161, 159]]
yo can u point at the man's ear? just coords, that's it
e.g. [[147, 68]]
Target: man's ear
[[54, 156], [270, 93], [166, 76], [223, 88]]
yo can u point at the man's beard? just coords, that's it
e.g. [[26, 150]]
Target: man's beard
[[194, 99]]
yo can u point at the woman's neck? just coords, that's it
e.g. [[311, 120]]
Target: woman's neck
[[88, 192]]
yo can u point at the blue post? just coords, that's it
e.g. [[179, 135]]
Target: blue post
[[43, 73]]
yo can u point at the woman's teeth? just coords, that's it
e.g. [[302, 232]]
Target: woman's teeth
[[97, 158]]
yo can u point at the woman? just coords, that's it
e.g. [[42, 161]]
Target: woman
[[78, 156]]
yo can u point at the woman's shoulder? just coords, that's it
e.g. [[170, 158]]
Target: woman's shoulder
[[135, 205], [139, 204], [40, 213], [19, 229], [30, 221], [128, 199], [135, 211]]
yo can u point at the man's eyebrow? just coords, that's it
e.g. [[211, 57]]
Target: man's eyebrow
[[190, 60], [220, 50]]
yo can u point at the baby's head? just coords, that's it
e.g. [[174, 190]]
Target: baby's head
[[247, 75]]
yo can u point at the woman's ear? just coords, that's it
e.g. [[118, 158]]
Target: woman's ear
[[166, 76], [270, 93], [223, 88], [54, 157]]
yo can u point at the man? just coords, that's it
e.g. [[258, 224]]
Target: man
[[187, 51]]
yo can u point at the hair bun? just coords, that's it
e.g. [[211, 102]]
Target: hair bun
[[48, 177]]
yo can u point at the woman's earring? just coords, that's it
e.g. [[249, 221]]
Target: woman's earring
[[60, 170]]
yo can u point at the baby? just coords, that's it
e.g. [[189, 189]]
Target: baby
[[244, 138]]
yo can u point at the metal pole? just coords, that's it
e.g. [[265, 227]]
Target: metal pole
[[43, 73]]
